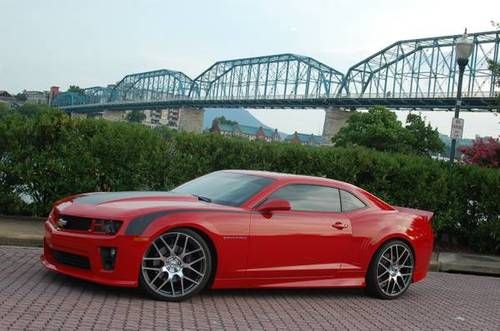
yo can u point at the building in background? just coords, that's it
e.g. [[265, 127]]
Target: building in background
[[173, 116], [37, 97], [54, 91], [153, 118], [33, 97], [162, 117], [6, 97], [245, 131], [304, 139]]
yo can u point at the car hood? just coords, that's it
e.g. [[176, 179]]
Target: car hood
[[123, 205]]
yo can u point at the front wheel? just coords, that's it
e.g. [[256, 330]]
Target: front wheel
[[391, 270], [177, 265]]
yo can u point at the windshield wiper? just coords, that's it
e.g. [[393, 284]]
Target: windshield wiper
[[202, 198]]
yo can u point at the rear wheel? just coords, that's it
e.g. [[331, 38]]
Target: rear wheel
[[391, 270], [177, 265]]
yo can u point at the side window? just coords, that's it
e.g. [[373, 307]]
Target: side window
[[309, 197], [350, 202]]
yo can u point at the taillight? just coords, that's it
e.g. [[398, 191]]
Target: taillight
[[106, 226]]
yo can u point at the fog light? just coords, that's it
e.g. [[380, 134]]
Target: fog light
[[108, 256]]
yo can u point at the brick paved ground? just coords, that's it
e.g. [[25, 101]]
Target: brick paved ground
[[32, 298]]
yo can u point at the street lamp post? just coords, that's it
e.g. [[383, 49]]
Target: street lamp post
[[463, 50]]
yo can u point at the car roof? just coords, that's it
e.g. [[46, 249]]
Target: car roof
[[294, 178], [313, 180]]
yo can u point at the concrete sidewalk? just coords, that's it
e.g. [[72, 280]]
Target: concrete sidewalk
[[21, 231], [467, 263], [28, 231]]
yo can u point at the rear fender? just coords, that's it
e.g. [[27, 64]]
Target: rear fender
[[393, 226], [383, 237], [427, 215]]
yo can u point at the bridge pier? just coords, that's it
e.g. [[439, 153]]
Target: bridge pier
[[335, 119], [191, 119]]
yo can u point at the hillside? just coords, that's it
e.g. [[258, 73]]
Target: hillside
[[240, 115]]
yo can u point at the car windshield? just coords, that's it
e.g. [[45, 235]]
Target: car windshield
[[225, 188]]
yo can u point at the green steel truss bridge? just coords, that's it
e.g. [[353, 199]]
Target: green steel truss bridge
[[419, 73]]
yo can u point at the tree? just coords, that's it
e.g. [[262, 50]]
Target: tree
[[21, 97], [75, 89], [31, 109], [495, 68], [223, 120], [136, 116], [483, 152], [380, 129], [4, 109], [423, 138]]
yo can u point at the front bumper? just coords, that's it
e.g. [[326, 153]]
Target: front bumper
[[129, 252]]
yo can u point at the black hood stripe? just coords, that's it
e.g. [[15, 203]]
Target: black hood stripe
[[103, 197], [138, 225]]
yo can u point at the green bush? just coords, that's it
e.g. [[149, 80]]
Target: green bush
[[48, 155]]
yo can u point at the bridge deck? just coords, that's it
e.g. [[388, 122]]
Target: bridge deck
[[470, 104]]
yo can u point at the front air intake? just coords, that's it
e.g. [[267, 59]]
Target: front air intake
[[72, 260]]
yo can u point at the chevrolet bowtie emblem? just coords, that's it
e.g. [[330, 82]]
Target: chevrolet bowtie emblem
[[61, 222]]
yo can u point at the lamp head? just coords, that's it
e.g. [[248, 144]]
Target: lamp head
[[463, 48]]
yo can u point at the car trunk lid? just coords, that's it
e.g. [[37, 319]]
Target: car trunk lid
[[427, 215]]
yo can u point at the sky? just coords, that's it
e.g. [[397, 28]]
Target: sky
[[95, 42], [312, 120]]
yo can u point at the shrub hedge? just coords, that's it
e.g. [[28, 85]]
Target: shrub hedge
[[49, 155]]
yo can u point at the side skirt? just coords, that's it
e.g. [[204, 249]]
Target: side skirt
[[289, 282]]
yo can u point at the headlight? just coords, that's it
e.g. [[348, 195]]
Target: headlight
[[106, 226], [52, 216]]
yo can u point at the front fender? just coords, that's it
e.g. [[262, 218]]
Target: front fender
[[228, 233]]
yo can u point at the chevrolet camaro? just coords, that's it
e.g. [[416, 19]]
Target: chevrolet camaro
[[240, 229]]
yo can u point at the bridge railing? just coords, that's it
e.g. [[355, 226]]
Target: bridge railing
[[472, 94], [475, 94]]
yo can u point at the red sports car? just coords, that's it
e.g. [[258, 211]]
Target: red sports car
[[240, 229]]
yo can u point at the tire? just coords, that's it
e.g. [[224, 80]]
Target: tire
[[391, 270], [177, 265]]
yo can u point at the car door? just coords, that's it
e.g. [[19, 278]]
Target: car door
[[357, 211], [310, 240]]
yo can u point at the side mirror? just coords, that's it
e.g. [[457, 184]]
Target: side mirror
[[273, 205]]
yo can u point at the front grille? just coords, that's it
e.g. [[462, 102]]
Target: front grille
[[75, 223], [71, 259]]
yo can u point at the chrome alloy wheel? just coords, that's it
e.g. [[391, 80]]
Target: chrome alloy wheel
[[174, 265], [395, 269]]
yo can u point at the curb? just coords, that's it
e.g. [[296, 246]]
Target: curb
[[434, 266], [23, 242], [469, 269], [23, 218]]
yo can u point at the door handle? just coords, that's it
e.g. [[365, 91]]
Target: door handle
[[339, 225]]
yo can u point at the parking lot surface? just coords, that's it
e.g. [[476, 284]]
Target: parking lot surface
[[33, 298]]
